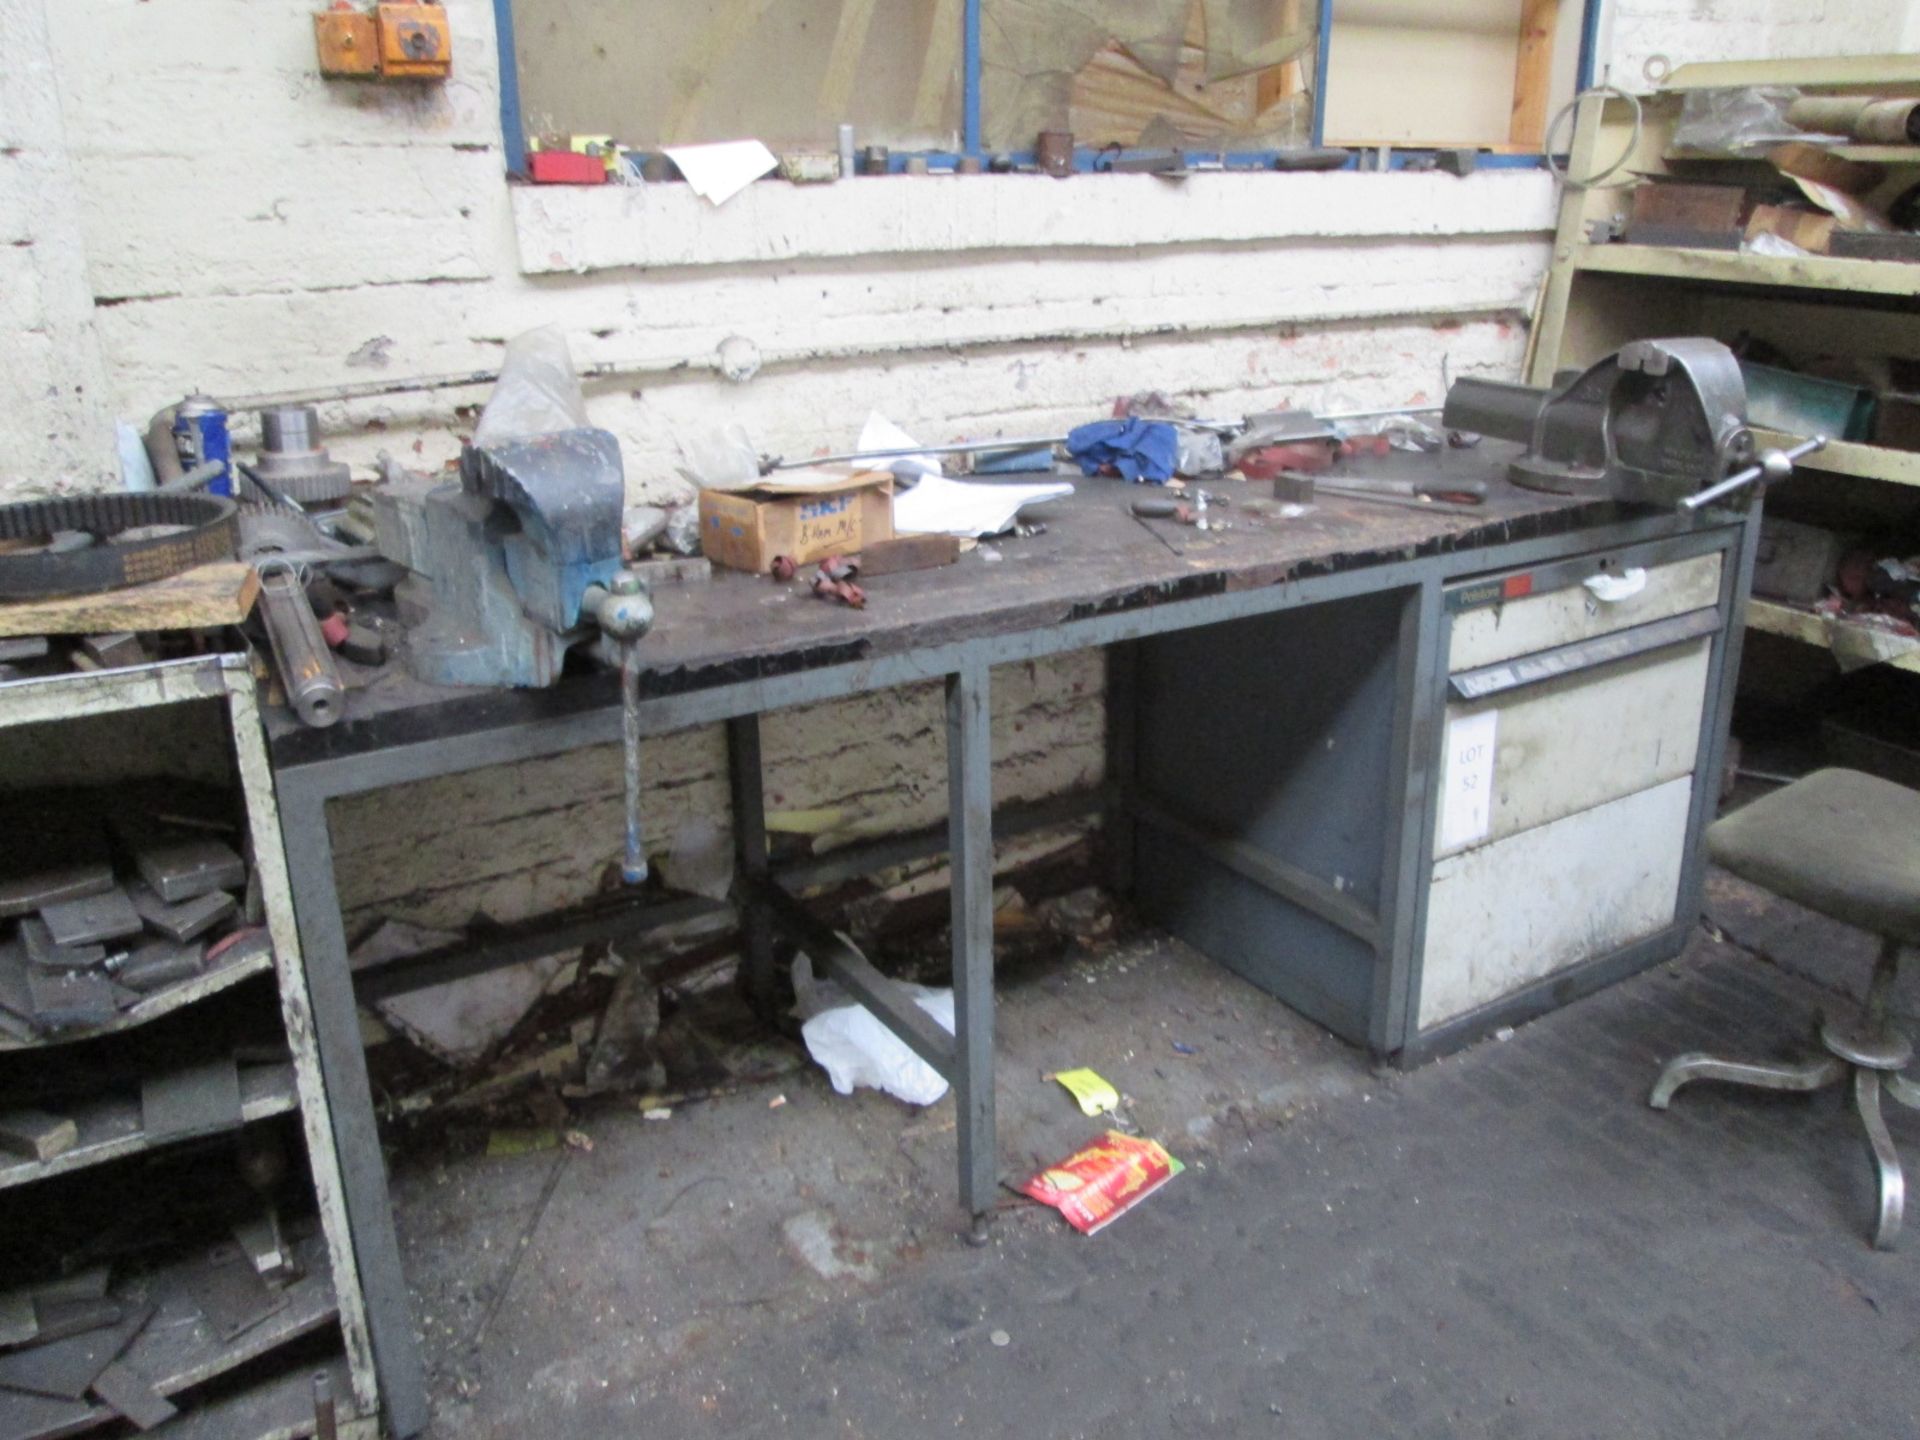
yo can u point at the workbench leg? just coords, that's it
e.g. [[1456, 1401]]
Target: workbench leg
[[750, 862], [1123, 729], [970, 853], [343, 1067]]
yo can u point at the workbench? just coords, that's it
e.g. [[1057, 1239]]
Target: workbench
[[1285, 698]]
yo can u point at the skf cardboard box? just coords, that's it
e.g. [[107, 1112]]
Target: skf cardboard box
[[805, 514]]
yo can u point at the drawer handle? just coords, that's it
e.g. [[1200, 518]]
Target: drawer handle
[[1612, 589]]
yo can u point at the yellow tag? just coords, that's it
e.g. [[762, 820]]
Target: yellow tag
[[1095, 1095]]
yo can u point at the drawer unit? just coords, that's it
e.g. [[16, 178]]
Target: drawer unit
[[1577, 703], [1422, 810]]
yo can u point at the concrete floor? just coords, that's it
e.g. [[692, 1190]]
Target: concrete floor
[[1504, 1243]]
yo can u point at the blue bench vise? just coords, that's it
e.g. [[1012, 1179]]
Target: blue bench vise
[[511, 565]]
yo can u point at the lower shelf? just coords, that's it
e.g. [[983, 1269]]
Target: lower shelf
[[111, 1128], [177, 1350], [1852, 644]]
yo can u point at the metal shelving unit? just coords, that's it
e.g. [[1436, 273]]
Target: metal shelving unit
[[258, 1381], [1598, 296]]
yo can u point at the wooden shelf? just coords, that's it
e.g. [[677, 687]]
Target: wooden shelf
[[110, 1128], [1847, 457], [1876, 154], [1880, 154], [277, 1409], [1735, 267], [1852, 644], [177, 1351], [245, 959]]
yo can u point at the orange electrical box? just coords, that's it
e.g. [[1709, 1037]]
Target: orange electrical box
[[415, 42], [349, 43]]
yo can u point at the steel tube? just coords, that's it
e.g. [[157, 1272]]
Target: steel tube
[[633, 869], [1774, 465], [306, 665]]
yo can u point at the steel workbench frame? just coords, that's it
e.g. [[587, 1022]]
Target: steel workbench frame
[[966, 1057]]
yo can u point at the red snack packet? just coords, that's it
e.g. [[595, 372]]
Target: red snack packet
[[1095, 1186]]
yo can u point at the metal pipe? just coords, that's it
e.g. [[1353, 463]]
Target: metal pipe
[[326, 1419], [633, 868], [307, 671], [964, 447], [192, 479], [968, 447]]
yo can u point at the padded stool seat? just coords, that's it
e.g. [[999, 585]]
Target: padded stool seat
[[1842, 843], [1847, 845]]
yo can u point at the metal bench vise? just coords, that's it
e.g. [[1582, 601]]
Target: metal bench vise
[[1660, 422], [512, 564]]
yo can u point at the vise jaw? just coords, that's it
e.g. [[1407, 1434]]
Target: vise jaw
[[503, 560], [1651, 424]]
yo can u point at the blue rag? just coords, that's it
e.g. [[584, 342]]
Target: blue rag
[[1138, 449]]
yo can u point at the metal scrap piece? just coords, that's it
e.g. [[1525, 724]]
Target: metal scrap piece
[[36, 1134], [115, 651], [68, 1000], [180, 869], [201, 1099], [106, 916], [19, 1322], [265, 1245], [34, 1417], [158, 963], [185, 921], [66, 1369], [23, 894], [126, 1390], [43, 950], [231, 1294], [16, 1006], [75, 1315], [87, 1284]]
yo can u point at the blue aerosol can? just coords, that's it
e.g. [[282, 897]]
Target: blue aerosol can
[[200, 435]]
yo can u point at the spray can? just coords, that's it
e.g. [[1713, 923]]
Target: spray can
[[200, 435]]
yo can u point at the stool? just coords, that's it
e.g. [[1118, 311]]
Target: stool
[[1847, 845]]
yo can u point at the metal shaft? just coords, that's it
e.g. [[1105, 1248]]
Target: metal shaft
[[633, 869], [307, 671], [326, 1420], [1774, 465], [965, 447]]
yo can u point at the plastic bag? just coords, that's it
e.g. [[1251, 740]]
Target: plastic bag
[[854, 1048], [537, 392], [682, 535], [1402, 432], [1201, 453], [724, 457], [1736, 119]]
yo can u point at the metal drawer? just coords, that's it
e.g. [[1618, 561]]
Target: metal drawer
[[1571, 743], [1503, 915], [1501, 617]]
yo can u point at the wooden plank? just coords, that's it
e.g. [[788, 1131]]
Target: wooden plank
[[316, 1120], [1533, 72], [199, 599], [1731, 267]]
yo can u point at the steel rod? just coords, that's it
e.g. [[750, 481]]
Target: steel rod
[[1774, 465]]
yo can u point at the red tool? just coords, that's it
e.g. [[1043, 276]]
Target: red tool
[[834, 581]]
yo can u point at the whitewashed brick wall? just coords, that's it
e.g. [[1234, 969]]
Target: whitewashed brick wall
[[185, 204]]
